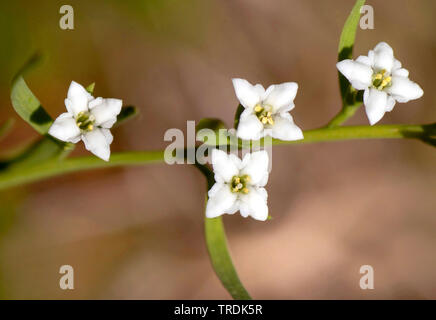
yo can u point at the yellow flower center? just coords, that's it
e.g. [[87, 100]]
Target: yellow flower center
[[264, 114], [85, 121], [380, 80], [240, 184]]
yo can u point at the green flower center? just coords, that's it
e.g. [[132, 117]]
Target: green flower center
[[381, 80], [264, 114], [240, 184], [85, 121]]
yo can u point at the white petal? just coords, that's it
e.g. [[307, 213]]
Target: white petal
[[224, 166], [375, 104], [281, 96], [108, 135], [77, 98], [96, 142], [234, 208], [254, 204], [236, 161], [215, 189], [65, 128], [403, 89], [365, 60], [390, 104], [106, 112], [260, 90], [284, 128], [249, 127], [109, 124], [247, 94], [267, 92], [401, 73], [397, 65], [383, 57], [221, 200], [256, 166], [359, 74], [95, 102]]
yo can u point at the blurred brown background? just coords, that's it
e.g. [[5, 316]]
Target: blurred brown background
[[138, 232]]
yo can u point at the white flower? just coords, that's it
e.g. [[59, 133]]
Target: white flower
[[88, 119], [382, 78], [266, 111], [239, 185]]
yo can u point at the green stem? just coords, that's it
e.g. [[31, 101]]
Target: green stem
[[327, 134], [10, 177], [346, 112], [362, 132], [13, 177]]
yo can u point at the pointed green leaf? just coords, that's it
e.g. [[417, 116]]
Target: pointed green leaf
[[28, 106], [25, 102]]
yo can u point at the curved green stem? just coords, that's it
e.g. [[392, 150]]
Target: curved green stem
[[346, 112]]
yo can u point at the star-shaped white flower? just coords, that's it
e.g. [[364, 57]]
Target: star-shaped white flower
[[266, 111], [384, 80], [88, 119], [239, 185]]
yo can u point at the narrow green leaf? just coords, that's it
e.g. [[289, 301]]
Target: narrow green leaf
[[28, 106], [346, 43], [351, 99], [221, 261], [127, 113], [24, 101]]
